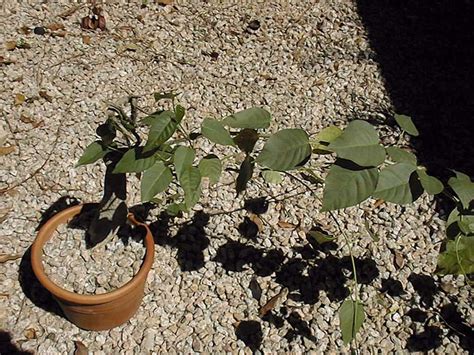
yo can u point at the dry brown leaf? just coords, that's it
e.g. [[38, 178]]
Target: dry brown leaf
[[19, 99], [6, 150], [5, 257], [55, 26], [25, 30], [26, 119], [86, 39], [378, 203], [30, 333], [399, 260], [81, 349], [256, 219], [59, 34], [38, 124], [273, 302], [165, 2], [287, 225], [45, 96], [10, 45]]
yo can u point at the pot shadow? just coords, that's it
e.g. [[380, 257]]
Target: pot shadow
[[8, 347], [33, 289]]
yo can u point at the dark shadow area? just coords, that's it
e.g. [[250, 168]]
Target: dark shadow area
[[458, 326], [425, 50], [32, 288], [8, 347], [250, 332], [60, 205], [392, 287], [426, 288], [427, 340]]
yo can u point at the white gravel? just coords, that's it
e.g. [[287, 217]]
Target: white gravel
[[310, 64]]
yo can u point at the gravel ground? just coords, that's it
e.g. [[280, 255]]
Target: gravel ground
[[310, 64]]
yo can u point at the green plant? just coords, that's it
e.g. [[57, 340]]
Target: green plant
[[363, 168]]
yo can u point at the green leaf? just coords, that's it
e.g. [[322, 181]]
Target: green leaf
[[272, 177], [369, 230], [351, 317], [133, 162], [245, 174], [458, 258], [401, 156], [155, 180], [165, 95], [92, 153], [323, 138], [174, 208], [179, 113], [359, 142], [406, 123], [347, 186], [321, 237], [463, 187], [394, 184], [190, 181], [285, 150], [246, 139], [211, 167], [431, 184], [162, 127], [254, 117], [216, 132], [183, 158]]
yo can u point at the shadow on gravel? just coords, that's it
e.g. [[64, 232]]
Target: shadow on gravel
[[446, 317], [32, 288], [425, 50], [8, 347]]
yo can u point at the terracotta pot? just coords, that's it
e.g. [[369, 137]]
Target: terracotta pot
[[93, 312]]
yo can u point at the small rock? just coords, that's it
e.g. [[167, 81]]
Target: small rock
[[39, 31], [197, 345], [254, 25]]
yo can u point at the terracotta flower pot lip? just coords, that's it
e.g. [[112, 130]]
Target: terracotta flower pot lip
[[45, 234]]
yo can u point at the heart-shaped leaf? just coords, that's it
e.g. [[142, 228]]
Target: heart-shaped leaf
[[134, 162], [431, 184], [351, 317], [183, 158], [394, 184], [285, 150], [463, 187], [458, 258], [324, 137], [216, 132], [155, 180], [211, 167], [255, 117], [359, 143], [347, 185], [272, 177], [401, 156], [406, 123], [92, 153]]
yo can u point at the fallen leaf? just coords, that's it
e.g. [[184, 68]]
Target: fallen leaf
[[38, 124], [127, 47], [5, 257], [378, 203], [273, 302], [30, 333], [101, 23], [321, 237], [25, 30], [399, 260], [256, 219], [22, 44], [10, 45], [26, 119], [19, 99], [6, 150], [165, 2], [287, 225], [45, 96], [59, 34], [86, 39], [81, 349], [55, 26]]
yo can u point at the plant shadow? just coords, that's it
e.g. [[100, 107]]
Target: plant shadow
[[8, 347]]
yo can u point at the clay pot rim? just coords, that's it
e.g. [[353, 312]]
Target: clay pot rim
[[46, 232]]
